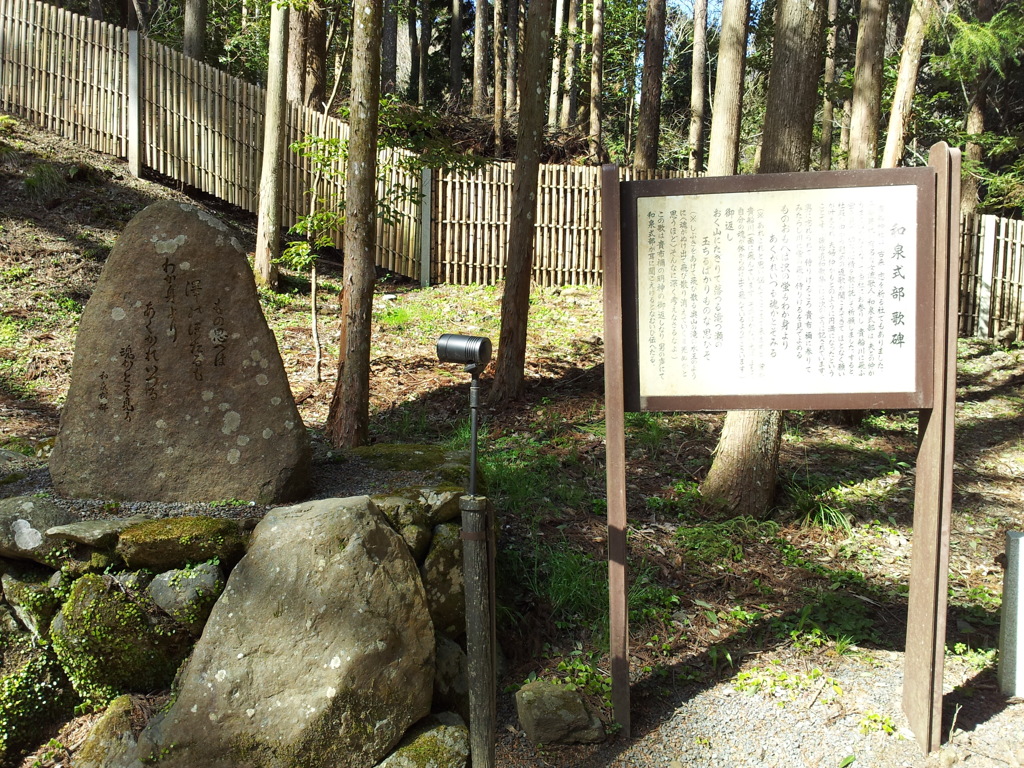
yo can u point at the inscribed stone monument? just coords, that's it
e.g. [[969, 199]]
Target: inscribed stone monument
[[178, 392]]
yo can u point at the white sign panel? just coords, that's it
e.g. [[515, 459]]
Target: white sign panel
[[780, 292]]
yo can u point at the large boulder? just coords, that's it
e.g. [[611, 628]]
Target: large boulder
[[319, 652], [178, 392]]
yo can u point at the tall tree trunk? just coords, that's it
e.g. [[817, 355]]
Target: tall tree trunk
[[349, 415], [413, 35], [499, 74], [572, 45], [867, 83], [455, 53], [426, 30], [298, 24], [315, 91], [793, 86], [515, 302], [906, 81], [389, 49], [723, 152], [558, 43], [629, 89], [479, 105], [268, 229], [970, 191], [844, 134], [195, 28], [512, 58], [596, 81], [745, 466], [96, 9], [698, 85], [649, 125], [827, 107]]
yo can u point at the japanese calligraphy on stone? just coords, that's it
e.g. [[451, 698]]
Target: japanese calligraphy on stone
[[794, 292]]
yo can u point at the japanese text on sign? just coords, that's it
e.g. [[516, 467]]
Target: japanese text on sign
[[801, 291]]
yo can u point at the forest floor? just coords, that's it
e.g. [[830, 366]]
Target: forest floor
[[789, 628]]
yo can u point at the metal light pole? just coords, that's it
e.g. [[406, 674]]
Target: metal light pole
[[478, 547]]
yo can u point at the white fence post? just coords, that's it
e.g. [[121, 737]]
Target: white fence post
[[1011, 634], [134, 105], [986, 267], [426, 206]]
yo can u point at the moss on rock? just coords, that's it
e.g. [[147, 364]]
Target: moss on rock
[[109, 738], [109, 643], [437, 741], [402, 456], [33, 697], [178, 541]]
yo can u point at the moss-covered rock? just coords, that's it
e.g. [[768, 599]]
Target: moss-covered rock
[[162, 545], [110, 642], [401, 456], [34, 695], [187, 594], [425, 505], [437, 741], [111, 737], [438, 466], [31, 594], [554, 714]]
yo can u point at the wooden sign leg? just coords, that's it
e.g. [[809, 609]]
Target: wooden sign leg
[[933, 494], [615, 447]]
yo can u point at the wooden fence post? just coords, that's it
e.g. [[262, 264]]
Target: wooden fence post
[[134, 104], [986, 269], [426, 225]]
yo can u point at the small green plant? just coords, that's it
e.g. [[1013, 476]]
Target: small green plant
[[977, 659], [395, 316], [228, 503], [7, 125], [873, 721], [776, 681], [45, 182], [830, 619], [648, 430], [14, 274], [579, 672]]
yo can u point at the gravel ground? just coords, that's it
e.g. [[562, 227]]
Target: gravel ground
[[719, 726]]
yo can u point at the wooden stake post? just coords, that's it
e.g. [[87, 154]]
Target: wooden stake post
[[827, 290]]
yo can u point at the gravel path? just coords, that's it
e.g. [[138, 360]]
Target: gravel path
[[810, 726]]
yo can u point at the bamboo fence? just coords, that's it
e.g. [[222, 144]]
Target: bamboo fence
[[991, 277], [198, 126], [65, 73], [203, 128]]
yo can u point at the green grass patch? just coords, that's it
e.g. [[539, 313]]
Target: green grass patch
[[714, 542]]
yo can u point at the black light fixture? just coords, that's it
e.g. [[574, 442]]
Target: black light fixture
[[472, 352]]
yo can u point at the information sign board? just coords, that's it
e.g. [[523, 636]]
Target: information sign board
[[784, 290], [806, 291]]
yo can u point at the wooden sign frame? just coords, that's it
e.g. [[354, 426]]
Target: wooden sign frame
[[933, 392]]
